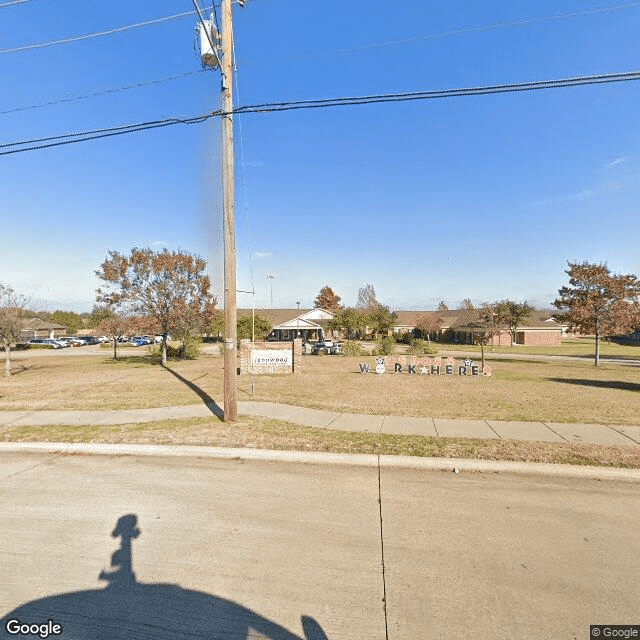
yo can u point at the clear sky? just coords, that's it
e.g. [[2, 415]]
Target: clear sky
[[484, 197]]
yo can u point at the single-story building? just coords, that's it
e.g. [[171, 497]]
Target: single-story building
[[288, 324], [455, 326], [35, 328]]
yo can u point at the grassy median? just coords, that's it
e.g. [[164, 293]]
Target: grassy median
[[265, 433]]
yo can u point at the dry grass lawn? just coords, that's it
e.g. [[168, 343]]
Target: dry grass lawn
[[519, 390]]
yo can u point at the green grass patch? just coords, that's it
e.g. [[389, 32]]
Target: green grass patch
[[266, 433]]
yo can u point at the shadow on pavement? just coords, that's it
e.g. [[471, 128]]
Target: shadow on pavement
[[212, 405], [132, 610], [604, 384]]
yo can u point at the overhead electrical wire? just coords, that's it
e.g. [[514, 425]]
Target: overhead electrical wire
[[84, 136], [87, 36], [8, 4], [499, 25], [102, 92], [625, 76], [270, 107], [488, 27]]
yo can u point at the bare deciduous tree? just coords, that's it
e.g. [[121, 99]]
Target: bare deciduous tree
[[12, 308], [428, 323], [367, 300]]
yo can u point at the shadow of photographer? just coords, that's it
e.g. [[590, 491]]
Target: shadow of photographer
[[128, 609]]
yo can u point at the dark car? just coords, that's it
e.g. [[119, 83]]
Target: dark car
[[319, 347]]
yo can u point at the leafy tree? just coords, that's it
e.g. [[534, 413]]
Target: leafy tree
[[12, 307], [382, 319], [100, 312], [466, 305], [169, 287], [442, 306], [327, 299], [246, 323], [117, 326], [216, 326], [427, 324], [483, 326], [42, 315], [349, 321], [598, 302], [511, 315], [69, 319], [246, 326]]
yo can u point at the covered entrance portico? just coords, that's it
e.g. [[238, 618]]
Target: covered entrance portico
[[297, 328]]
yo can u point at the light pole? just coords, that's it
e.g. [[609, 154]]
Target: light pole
[[298, 321], [271, 276]]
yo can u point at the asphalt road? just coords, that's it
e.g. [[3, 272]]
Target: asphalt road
[[143, 547]]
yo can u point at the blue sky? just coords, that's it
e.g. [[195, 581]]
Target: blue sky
[[483, 197]]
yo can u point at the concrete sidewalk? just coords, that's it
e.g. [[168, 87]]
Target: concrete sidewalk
[[437, 427]]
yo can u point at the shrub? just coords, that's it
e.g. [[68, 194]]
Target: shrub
[[352, 348], [405, 338], [422, 348], [387, 346], [190, 348]]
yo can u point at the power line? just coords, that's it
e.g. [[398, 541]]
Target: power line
[[270, 107], [176, 16], [488, 27], [102, 92], [96, 34], [8, 4], [442, 93], [83, 136]]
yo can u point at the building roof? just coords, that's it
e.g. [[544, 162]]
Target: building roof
[[457, 318], [279, 316], [35, 324], [450, 319]]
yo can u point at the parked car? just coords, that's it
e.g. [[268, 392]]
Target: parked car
[[46, 342], [319, 347], [328, 347], [74, 341], [142, 340], [89, 340]]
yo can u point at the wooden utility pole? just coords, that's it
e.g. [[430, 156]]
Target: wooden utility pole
[[230, 311]]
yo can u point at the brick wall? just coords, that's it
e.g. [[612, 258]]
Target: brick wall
[[294, 348], [540, 337]]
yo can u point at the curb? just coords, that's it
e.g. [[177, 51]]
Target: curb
[[306, 457]]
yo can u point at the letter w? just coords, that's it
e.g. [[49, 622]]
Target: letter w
[[364, 368]]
